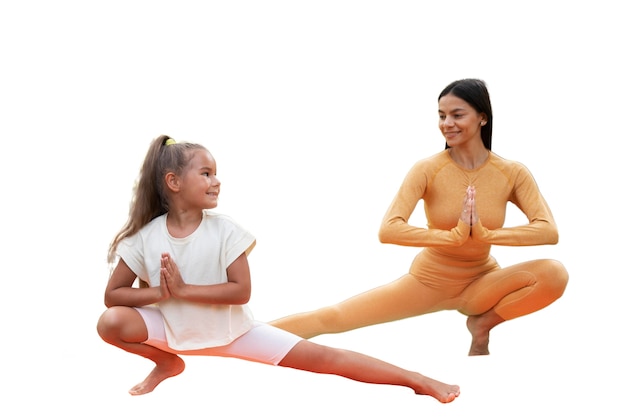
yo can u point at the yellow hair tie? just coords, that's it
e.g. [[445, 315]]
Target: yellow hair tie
[[170, 141]]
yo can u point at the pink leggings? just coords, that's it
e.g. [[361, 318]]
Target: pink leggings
[[262, 344]]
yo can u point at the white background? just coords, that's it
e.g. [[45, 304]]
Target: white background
[[314, 112]]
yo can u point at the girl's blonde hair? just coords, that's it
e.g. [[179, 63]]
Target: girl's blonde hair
[[149, 197]]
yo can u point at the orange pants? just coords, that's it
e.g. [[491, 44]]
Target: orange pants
[[434, 283]]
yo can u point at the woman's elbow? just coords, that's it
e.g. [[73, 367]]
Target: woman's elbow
[[554, 236], [390, 229], [385, 235], [551, 234]]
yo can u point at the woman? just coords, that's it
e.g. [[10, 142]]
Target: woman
[[465, 190]]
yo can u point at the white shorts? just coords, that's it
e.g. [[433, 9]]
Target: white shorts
[[262, 344]]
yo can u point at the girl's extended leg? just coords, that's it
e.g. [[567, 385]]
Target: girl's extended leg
[[403, 298], [312, 357], [509, 293], [125, 328]]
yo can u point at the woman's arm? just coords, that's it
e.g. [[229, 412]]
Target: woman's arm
[[396, 230], [236, 291], [395, 227], [541, 228]]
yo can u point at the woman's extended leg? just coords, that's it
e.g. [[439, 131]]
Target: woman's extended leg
[[125, 328], [402, 298], [509, 293], [312, 357]]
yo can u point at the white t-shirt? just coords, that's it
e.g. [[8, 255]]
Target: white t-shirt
[[202, 258]]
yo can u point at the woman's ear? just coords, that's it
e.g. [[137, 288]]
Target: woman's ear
[[171, 181]]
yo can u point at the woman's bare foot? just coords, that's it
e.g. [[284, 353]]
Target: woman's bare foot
[[160, 372], [480, 326], [443, 392]]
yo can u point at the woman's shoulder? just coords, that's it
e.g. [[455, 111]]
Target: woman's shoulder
[[435, 160], [514, 170], [505, 163], [431, 164]]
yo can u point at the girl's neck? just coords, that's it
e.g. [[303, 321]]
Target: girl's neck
[[181, 223]]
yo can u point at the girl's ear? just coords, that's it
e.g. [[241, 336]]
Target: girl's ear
[[171, 181]]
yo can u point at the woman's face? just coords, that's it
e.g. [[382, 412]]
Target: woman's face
[[459, 122]]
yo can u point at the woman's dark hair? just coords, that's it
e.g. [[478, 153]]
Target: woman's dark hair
[[474, 92]]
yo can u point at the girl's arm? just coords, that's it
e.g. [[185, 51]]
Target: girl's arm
[[120, 290], [236, 291]]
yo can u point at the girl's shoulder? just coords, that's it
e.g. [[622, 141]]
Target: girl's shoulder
[[155, 225], [219, 220], [216, 217], [234, 236]]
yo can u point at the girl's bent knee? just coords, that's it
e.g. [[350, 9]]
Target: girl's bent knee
[[108, 321], [118, 320]]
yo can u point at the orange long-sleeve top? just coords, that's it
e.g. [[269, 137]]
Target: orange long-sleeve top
[[442, 185]]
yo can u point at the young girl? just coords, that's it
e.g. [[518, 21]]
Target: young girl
[[194, 280]]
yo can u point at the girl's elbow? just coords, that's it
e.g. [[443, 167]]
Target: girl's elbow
[[108, 302], [244, 296]]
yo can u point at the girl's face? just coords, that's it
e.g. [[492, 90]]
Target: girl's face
[[459, 122], [199, 186]]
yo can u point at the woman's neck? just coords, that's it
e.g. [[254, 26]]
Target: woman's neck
[[469, 157]]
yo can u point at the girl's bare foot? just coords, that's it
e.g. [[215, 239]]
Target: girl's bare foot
[[160, 372], [443, 392], [480, 326]]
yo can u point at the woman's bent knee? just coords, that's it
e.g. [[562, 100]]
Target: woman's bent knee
[[555, 276]]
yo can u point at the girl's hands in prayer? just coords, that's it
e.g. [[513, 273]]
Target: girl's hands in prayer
[[170, 276]]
